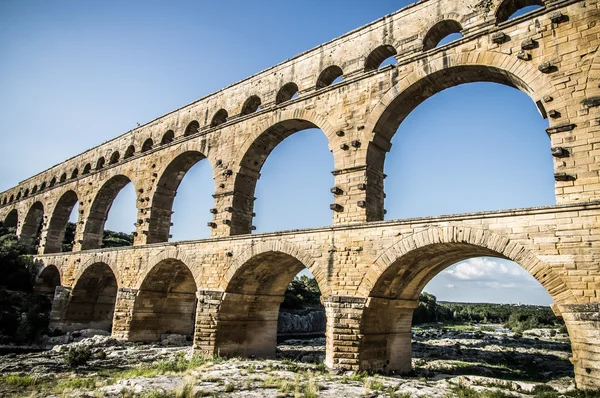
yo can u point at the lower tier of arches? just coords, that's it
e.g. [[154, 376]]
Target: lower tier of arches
[[369, 333]]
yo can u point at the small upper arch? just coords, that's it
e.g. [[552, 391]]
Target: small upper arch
[[251, 105], [34, 189], [147, 145], [378, 55], [219, 118], [43, 186], [26, 193], [286, 93], [87, 168], [129, 152], [439, 31], [329, 75], [192, 128], [168, 137], [100, 163], [75, 173], [53, 181], [63, 177], [508, 8], [114, 158]]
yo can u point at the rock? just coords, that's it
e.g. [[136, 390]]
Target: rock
[[174, 340], [311, 321], [86, 333], [56, 340]]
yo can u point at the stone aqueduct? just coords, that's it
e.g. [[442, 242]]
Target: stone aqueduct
[[227, 289]]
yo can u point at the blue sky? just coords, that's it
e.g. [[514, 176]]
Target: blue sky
[[75, 74]]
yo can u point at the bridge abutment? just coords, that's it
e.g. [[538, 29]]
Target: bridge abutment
[[583, 324], [343, 336], [62, 295], [207, 315], [124, 306]]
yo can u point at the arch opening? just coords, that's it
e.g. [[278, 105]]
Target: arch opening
[[192, 128], [442, 33], [168, 137], [100, 163], [52, 182], [63, 178], [55, 236], [191, 211], [219, 118], [388, 316], [380, 57], [329, 76], [287, 92], [32, 226], [87, 168], [115, 157], [43, 186], [147, 145], [74, 174], [92, 301], [129, 152], [459, 155], [47, 281], [510, 9], [11, 220], [94, 230], [26, 193], [249, 313], [280, 192], [165, 304], [251, 105]]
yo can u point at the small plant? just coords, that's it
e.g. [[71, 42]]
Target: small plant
[[17, 381], [229, 387], [373, 384], [78, 356]]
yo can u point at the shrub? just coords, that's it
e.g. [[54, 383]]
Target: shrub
[[78, 356]]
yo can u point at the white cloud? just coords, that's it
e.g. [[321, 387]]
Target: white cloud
[[482, 268], [450, 286], [497, 285]]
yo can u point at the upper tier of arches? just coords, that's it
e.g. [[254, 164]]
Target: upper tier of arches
[[217, 111]]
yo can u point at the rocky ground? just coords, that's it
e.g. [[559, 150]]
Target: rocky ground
[[448, 362]]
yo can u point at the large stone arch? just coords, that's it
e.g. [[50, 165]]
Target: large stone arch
[[255, 285], [47, 279], [393, 284], [11, 220], [104, 258], [166, 187], [32, 224], [436, 74], [254, 151], [99, 208], [482, 243], [165, 302], [449, 70], [58, 221], [281, 246], [92, 299]]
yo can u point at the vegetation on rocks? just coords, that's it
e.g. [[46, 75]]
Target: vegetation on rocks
[[515, 317]]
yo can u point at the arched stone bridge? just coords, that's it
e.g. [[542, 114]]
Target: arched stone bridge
[[227, 289]]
